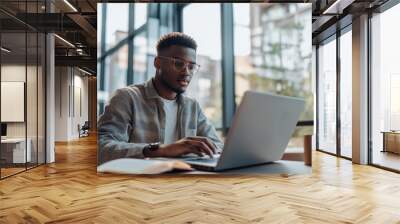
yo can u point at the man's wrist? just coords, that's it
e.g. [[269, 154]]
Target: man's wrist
[[147, 152], [152, 150]]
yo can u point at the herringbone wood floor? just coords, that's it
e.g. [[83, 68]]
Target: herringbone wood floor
[[70, 191]]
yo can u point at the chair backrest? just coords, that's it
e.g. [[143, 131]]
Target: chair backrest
[[86, 125]]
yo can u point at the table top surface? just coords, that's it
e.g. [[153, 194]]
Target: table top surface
[[13, 140], [390, 132]]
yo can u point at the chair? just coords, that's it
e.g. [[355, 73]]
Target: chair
[[300, 154], [84, 130]]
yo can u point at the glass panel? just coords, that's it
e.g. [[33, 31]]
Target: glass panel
[[31, 98], [327, 97], [116, 70], [22, 89], [139, 58], [13, 80], [103, 95], [152, 37], [140, 14], [346, 94], [117, 23], [273, 53], [41, 99], [206, 84], [34, 49], [386, 89]]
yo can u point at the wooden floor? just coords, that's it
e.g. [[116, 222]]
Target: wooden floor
[[10, 171], [70, 191]]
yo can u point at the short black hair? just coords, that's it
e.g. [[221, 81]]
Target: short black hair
[[176, 38]]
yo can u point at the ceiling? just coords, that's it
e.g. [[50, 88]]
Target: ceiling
[[74, 22], [328, 16]]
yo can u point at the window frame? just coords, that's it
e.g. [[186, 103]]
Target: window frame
[[228, 65], [333, 37], [106, 53], [380, 9]]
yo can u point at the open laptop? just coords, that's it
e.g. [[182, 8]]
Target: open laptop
[[261, 129]]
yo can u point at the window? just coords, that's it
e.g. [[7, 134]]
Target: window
[[206, 83], [116, 23], [385, 88], [116, 60], [139, 58], [140, 14], [117, 69], [272, 46], [346, 94], [327, 96]]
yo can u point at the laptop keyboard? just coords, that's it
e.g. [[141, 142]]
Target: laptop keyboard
[[203, 159]]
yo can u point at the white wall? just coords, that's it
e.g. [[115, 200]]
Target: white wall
[[61, 104], [71, 94], [360, 90], [50, 95], [80, 103]]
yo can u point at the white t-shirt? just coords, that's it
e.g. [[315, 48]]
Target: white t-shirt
[[171, 125]]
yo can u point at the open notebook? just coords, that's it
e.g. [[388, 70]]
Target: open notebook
[[141, 166]]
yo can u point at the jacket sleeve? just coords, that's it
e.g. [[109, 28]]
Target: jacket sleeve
[[206, 129], [114, 128]]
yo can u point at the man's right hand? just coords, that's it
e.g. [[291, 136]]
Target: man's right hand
[[196, 145]]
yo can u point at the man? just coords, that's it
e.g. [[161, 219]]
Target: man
[[154, 119]]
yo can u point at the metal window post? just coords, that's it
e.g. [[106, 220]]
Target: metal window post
[[338, 91], [103, 47], [131, 28], [228, 65]]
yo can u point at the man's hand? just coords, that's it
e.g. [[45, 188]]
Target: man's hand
[[197, 145]]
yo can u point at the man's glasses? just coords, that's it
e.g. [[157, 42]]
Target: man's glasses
[[180, 65]]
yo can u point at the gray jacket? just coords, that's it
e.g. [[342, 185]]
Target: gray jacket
[[135, 117]]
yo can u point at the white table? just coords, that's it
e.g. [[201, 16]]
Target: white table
[[18, 149]]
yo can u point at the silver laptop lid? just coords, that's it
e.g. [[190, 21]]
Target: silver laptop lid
[[261, 129]]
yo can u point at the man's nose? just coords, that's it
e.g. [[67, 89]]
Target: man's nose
[[186, 71]]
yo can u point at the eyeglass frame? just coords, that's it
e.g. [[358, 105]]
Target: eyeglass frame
[[184, 61]]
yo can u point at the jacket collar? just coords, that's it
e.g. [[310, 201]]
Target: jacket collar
[[151, 92]]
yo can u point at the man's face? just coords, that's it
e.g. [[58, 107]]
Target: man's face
[[171, 76]]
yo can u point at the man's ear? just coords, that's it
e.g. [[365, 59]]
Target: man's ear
[[157, 63]]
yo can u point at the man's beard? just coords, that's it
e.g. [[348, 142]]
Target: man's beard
[[170, 87]]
